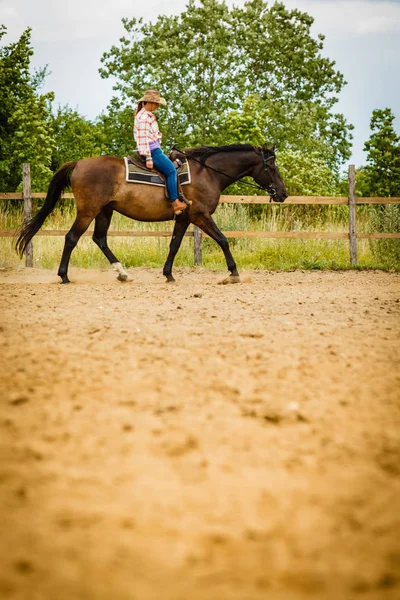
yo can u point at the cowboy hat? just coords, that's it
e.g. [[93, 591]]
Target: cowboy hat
[[153, 96]]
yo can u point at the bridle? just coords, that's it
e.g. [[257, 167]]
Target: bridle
[[269, 188]]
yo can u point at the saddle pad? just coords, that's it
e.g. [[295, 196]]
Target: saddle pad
[[136, 174]]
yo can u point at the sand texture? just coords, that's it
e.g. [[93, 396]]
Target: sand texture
[[199, 441]]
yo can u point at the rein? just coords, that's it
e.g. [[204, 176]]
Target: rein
[[270, 189]]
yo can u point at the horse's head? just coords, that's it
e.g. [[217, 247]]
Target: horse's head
[[267, 175]]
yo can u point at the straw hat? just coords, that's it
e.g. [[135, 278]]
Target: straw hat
[[153, 96]]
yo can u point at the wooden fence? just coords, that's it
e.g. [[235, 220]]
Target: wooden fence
[[352, 201]]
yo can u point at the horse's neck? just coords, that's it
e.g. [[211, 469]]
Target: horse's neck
[[231, 166]]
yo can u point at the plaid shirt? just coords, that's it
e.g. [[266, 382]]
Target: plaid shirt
[[145, 131]]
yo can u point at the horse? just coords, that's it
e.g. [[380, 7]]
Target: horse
[[99, 187]]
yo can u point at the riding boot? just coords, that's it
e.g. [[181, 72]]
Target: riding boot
[[178, 206]]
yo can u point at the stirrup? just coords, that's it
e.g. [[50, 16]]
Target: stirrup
[[183, 199]]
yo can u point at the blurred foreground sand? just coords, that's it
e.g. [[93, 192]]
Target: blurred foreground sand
[[197, 441]]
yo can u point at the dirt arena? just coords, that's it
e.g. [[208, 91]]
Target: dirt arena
[[198, 441]]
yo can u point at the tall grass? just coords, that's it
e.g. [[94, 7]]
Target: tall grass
[[271, 254], [385, 219]]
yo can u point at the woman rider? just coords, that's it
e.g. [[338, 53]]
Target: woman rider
[[147, 137]]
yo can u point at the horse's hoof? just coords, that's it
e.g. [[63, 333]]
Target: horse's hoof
[[170, 279], [230, 279], [64, 279], [122, 274]]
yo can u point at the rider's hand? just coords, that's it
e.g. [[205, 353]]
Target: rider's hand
[[149, 164]]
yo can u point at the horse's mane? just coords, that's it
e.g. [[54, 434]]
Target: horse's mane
[[203, 152]]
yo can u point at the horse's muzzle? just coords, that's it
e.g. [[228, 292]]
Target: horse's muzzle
[[277, 198]]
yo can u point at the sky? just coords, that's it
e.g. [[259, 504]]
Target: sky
[[361, 36]]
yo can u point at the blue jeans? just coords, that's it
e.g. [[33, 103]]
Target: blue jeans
[[167, 167]]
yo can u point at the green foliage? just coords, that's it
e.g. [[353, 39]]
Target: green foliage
[[116, 126], [25, 129], [385, 219], [33, 140], [241, 74], [382, 173], [290, 127], [30, 132], [189, 58], [362, 183], [247, 125], [296, 87], [381, 177], [246, 74], [278, 56], [75, 137], [306, 174]]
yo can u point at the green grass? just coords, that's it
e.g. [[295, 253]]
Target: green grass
[[271, 254]]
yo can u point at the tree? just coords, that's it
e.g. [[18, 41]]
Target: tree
[[74, 136], [381, 177], [382, 173], [116, 126], [305, 171], [281, 63], [25, 129], [209, 60], [32, 141], [258, 121], [189, 58]]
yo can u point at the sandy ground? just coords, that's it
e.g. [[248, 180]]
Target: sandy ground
[[197, 441]]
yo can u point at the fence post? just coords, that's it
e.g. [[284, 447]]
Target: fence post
[[26, 174], [198, 246], [352, 215]]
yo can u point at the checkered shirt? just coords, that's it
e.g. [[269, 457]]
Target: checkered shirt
[[145, 131]]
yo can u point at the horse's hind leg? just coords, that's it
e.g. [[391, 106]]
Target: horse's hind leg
[[181, 225], [79, 227], [102, 223], [206, 223]]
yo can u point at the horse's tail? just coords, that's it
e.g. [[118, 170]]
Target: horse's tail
[[60, 180]]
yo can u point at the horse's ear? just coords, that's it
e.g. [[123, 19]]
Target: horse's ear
[[271, 149]]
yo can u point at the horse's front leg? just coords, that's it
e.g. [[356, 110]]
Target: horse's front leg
[[206, 224], [181, 225]]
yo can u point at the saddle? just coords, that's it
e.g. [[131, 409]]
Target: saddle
[[137, 172]]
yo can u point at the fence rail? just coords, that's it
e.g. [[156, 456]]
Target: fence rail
[[245, 199], [352, 236]]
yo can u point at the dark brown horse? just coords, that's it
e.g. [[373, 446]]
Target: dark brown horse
[[99, 188]]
